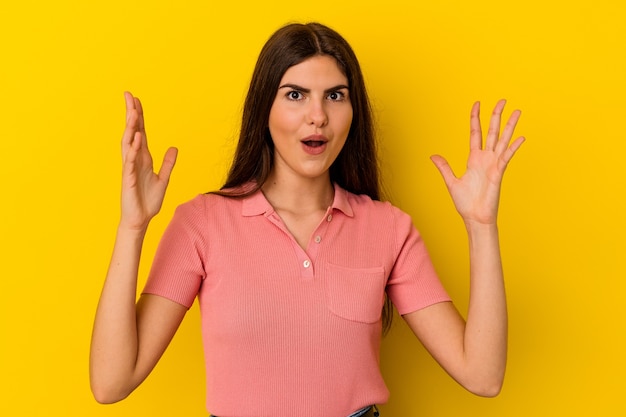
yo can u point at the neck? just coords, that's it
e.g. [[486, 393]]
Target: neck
[[299, 195]]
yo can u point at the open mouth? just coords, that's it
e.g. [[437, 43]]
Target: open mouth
[[314, 143]]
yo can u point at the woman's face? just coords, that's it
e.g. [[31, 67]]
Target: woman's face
[[310, 118]]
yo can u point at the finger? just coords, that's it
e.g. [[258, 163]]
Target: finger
[[131, 124], [494, 126], [137, 143], [130, 156], [139, 122], [139, 109], [508, 154], [127, 139], [130, 104], [169, 160], [476, 133], [444, 169], [507, 132]]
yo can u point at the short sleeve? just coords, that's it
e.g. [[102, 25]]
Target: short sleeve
[[178, 268], [413, 282]]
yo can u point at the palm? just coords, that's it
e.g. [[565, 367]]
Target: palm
[[476, 193], [143, 190]]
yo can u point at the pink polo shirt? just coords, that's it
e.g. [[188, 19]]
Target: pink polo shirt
[[284, 329]]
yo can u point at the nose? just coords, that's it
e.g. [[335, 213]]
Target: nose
[[317, 113]]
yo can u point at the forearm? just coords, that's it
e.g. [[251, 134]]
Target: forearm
[[485, 341], [114, 343]]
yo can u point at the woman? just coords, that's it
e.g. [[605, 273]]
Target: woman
[[292, 260]]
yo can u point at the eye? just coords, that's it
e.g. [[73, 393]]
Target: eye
[[294, 95], [336, 96]]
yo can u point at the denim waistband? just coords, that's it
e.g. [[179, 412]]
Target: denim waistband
[[365, 410], [359, 413]]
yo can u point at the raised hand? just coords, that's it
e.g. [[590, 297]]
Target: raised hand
[[476, 194], [143, 190]]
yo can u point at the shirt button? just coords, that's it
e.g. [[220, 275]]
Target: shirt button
[[329, 218], [318, 239], [306, 263]]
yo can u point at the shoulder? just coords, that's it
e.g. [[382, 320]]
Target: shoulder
[[203, 207], [206, 202], [382, 216], [364, 206]]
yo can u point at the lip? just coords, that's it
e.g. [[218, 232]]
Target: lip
[[314, 144]]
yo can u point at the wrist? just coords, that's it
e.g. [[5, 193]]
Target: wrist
[[131, 231], [476, 227]]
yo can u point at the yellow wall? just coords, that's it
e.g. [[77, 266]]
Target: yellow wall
[[65, 64]]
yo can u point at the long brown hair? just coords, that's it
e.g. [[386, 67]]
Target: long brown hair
[[356, 166]]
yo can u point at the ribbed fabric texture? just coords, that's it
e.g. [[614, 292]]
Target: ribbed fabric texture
[[289, 332]]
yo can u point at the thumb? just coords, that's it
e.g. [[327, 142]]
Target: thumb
[[444, 169], [169, 160]]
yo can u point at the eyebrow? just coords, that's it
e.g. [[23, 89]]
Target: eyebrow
[[308, 90]]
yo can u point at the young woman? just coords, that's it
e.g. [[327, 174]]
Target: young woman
[[294, 259]]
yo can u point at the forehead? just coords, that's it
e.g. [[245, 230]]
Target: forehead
[[317, 69]]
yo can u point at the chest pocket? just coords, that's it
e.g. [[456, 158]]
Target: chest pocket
[[355, 294]]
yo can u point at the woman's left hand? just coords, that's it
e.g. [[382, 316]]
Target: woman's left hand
[[476, 194]]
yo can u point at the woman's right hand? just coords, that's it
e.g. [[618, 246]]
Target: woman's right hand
[[143, 190], [128, 336]]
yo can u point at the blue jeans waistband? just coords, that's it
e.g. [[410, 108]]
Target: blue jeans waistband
[[365, 410], [360, 413]]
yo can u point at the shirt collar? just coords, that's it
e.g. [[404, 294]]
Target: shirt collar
[[256, 204], [341, 201]]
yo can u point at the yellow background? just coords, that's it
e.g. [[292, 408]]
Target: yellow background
[[65, 64]]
